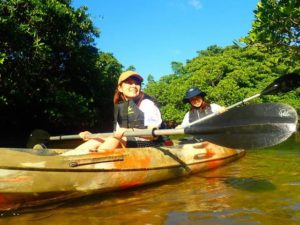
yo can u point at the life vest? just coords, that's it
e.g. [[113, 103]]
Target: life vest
[[197, 113], [128, 114]]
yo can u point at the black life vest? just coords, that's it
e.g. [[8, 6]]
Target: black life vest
[[197, 113], [127, 113]]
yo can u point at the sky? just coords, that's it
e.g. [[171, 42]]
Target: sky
[[150, 34]]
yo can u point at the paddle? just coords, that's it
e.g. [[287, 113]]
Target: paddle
[[249, 126], [282, 84]]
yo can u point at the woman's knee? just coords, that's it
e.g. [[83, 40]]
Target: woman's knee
[[110, 144]]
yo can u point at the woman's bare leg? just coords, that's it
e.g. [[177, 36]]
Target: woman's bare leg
[[85, 148], [110, 144]]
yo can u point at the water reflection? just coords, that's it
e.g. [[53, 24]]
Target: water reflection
[[139, 206]]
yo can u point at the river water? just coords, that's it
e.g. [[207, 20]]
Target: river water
[[261, 188]]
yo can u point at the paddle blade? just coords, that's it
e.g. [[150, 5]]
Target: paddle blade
[[283, 84], [249, 126]]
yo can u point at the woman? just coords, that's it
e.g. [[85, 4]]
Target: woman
[[133, 110], [199, 106]]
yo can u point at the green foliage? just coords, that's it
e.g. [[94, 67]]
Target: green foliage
[[53, 76], [228, 75], [51, 72], [131, 67], [276, 23], [60, 112], [177, 68], [2, 58], [150, 79]]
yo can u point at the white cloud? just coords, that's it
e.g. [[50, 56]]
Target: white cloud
[[195, 4], [184, 4]]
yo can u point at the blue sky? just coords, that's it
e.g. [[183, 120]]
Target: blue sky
[[150, 34]]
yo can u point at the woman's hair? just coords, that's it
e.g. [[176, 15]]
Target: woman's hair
[[118, 96], [204, 105]]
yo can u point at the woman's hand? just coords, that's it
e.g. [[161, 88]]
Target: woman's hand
[[120, 132], [222, 109]]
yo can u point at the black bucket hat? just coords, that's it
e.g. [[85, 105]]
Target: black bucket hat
[[192, 92]]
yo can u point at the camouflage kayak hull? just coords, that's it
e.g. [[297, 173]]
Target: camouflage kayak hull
[[30, 178]]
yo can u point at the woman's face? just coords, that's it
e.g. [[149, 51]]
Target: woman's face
[[196, 101], [130, 88]]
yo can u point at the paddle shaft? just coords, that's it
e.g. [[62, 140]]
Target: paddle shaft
[[134, 133], [76, 136], [249, 126]]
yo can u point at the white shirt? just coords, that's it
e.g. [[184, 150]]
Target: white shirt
[[152, 115], [214, 108]]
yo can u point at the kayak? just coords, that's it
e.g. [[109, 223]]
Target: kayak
[[30, 177]]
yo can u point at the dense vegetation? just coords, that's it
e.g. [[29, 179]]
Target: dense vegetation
[[52, 76], [227, 75]]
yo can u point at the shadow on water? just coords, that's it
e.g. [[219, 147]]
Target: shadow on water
[[250, 184]]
